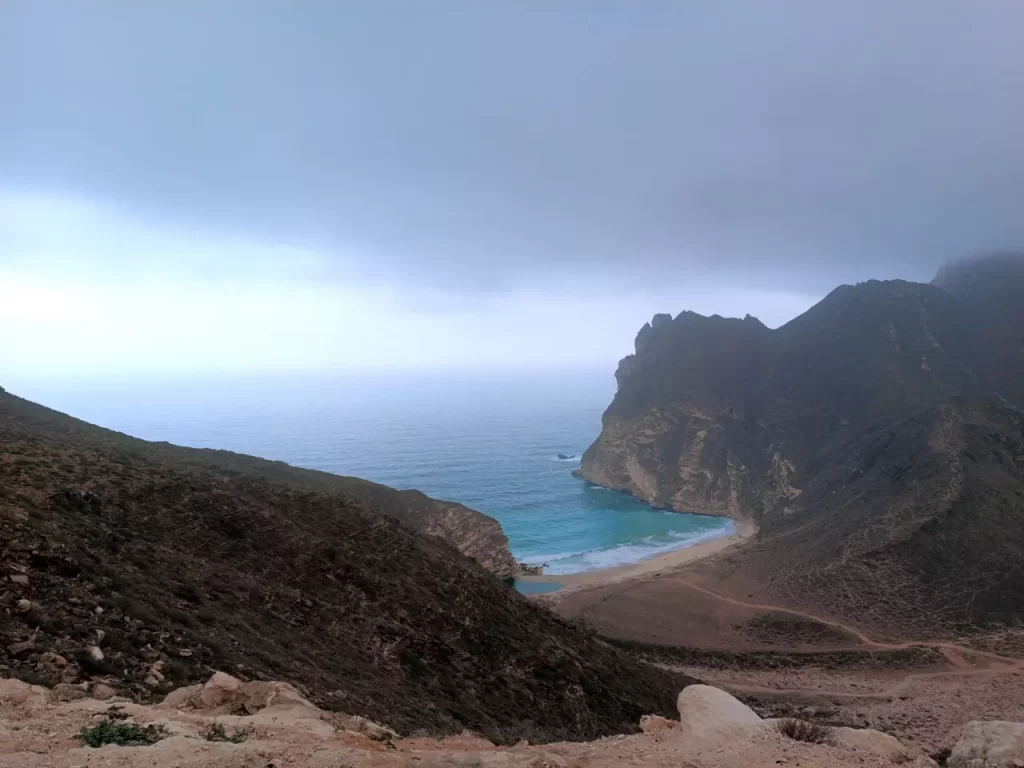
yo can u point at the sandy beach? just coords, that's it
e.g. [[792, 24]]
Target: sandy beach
[[654, 566]]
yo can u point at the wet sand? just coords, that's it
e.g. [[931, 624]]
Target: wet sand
[[659, 565]]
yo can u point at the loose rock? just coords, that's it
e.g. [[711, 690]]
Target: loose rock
[[988, 744]]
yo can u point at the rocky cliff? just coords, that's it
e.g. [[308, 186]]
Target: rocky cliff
[[728, 417]]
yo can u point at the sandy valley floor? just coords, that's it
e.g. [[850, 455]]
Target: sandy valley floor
[[784, 661]]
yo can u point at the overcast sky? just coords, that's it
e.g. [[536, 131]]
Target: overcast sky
[[242, 184]]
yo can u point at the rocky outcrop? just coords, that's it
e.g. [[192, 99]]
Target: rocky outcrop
[[991, 744], [725, 416], [476, 535], [284, 728]]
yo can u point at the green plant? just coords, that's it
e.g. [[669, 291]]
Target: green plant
[[218, 733], [108, 731], [801, 730]]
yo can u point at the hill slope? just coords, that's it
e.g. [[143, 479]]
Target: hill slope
[[914, 528], [473, 533], [150, 566]]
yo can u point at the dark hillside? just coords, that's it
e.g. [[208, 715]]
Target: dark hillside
[[473, 533], [914, 527], [150, 566]]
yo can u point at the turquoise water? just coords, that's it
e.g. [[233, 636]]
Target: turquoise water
[[536, 587], [488, 441]]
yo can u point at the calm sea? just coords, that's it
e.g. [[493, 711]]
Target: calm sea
[[490, 441]]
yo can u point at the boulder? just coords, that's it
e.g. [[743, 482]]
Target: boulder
[[873, 742], [50, 659], [16, 692], [368, 728], [219, 690], [67, 692], [705, 710], [654, 724], [257, 695], [102, 691], [989, 744], [21, 650], [183, 698]]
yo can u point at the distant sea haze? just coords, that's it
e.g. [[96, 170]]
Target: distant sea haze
[[490, 441]]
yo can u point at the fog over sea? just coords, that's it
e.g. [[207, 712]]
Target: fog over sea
[[488, 440]]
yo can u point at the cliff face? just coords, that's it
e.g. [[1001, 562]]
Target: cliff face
[[475, 534], [727, 417]]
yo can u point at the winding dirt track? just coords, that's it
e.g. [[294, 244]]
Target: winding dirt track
[[897, 690], [953, 652]]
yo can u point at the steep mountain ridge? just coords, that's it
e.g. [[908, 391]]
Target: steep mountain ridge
[[876, 441], [148, 566], [718, 415]]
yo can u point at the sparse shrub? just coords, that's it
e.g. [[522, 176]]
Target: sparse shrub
[[801, 730], [218, 733], [111, 731]]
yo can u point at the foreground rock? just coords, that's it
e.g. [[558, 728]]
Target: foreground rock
[[992, 744], [275, 725], [707, 712]]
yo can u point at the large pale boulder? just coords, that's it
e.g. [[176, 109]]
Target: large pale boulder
[[219, 690], [705, 711], [989, 744], [16, 692], [867, 740]]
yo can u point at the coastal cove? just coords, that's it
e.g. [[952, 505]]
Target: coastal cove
[[489, 441]]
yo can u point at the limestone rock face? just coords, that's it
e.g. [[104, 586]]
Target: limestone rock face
[[475, 534], [725, 416], [989, 744]]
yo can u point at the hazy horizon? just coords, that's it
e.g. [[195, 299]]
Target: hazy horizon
[[190, 189]]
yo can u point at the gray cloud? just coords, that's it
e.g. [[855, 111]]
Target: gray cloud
[[479, 145]]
